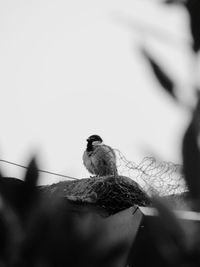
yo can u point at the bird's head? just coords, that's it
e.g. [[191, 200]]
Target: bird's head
[[94, 140]]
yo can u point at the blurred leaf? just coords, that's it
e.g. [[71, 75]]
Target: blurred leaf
[[161, 76], [170, 1], [10, 234], [31, 176], [191, 154], [193, 8], [174, 1], [62, 235], [1, 175], [12, 190], [30, 194]]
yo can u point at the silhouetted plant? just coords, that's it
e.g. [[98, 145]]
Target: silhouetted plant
[[160, 74], [178, 243], [38, 230]]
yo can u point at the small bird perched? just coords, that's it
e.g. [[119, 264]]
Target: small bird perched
[[99, 159]]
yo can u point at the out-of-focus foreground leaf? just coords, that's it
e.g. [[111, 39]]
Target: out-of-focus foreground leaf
[[174, 1], [191, 155], [193, 9], [30, 194], [160, 74], [31, 176], [10, 235], [61, 234]]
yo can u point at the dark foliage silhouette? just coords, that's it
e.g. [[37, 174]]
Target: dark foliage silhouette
[[191, 155], [161, 76], [41, 229], [177, 241], [193, 9]]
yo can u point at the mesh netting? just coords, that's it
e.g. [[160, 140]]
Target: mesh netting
[[132, 186], [161, 178], [118, 193], [112, 193]]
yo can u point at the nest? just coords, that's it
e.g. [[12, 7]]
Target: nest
[[113, 194]]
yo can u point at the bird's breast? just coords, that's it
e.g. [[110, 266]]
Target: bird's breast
[[88, 162]]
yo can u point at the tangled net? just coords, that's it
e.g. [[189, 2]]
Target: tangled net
[[154, 177], [133, 185], [111, 193]]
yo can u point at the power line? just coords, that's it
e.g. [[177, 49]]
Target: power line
[[44, 171]]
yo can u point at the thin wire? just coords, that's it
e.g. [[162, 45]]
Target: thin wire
[[44, 171]]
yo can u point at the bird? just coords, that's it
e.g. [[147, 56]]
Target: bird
[[98, 158]]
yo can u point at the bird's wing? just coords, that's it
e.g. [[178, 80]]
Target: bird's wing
[[87, 161], [105, 159], [105, 152]]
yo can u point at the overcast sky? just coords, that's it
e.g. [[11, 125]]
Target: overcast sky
[[70, 69]]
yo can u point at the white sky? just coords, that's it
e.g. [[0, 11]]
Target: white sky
[[70, 69]]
